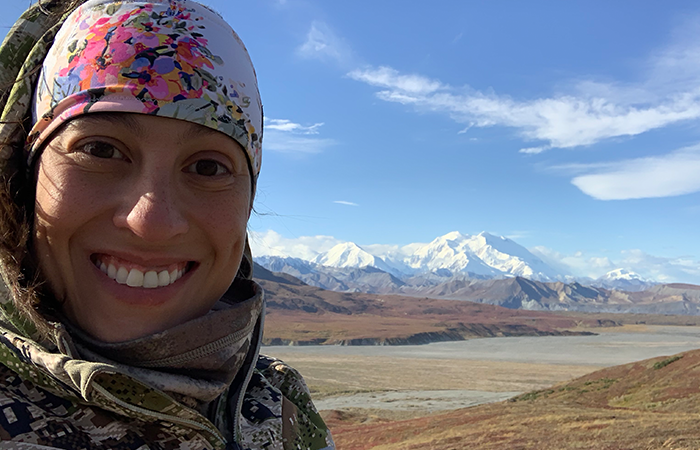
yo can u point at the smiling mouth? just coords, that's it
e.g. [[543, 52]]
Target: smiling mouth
[[136, 276]]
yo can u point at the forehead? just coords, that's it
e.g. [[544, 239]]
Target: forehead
[[141, 125]]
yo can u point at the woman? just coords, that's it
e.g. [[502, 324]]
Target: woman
[[131, 136]]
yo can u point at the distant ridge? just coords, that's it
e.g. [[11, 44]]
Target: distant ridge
[[512, 292], [262, 273], [299, 314], [684, 286]]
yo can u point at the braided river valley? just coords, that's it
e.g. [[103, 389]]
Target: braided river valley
[[413, 380]]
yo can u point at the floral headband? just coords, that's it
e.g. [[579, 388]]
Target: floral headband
[[169, 58]]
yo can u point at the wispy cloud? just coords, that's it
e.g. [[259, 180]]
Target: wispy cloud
[[518, 234], [587, 112], [285, 136], [388, 78], [560, 122], [343, 202], [324, 44], [577, 264], [659, 268], [534, 150], [678, 269], [289, 126], [675, 173], [271, 243]]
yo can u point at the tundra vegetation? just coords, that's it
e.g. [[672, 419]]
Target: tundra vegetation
[[649, 404]]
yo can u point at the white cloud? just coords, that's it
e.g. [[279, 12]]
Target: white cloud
[[296, 144], [271, 243], [518, 234], [561, 122], [285, 136], [322, 43], [343, 202], [660, 176], [577, 264], [288, 125], [386, 77], [657, 268], [533, 150], [678, 269], [465, 129], [667, 93]]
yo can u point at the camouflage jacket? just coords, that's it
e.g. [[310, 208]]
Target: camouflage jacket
[[53, 400]]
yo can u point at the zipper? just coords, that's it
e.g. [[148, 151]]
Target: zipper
[[244, 386], [159, 416]]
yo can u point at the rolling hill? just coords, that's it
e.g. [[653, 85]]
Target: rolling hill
[[651, 404]]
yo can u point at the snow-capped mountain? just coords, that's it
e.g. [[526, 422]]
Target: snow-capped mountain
[[622, 279], [450, 252], [292, 266], [446, 264], [350, 255], [481, 256]]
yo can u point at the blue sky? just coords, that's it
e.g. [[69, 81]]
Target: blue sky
[[571, 127]]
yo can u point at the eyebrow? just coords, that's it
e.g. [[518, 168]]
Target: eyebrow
[[194, 130]]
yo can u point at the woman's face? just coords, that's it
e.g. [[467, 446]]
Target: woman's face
[[140, 221]]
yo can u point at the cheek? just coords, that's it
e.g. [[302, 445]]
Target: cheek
[[65, 202], [226, 220], [54, 217], [61, 196]]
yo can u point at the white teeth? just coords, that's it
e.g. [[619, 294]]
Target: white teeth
[[122, 275], [163, 278], [112, 271], [150, 279], [136, 278]]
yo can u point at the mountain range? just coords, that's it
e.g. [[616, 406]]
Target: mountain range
[[511, 292], [446, 264]]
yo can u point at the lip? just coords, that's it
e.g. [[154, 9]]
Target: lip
[[141, 296], [182, 264], [143, 260]]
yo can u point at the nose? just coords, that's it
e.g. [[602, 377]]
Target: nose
[[151, 211]]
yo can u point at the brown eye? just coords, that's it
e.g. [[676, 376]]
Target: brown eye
[[207, 168], [101, 149]]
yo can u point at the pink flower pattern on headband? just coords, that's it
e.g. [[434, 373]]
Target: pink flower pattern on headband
[[152, 58]]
